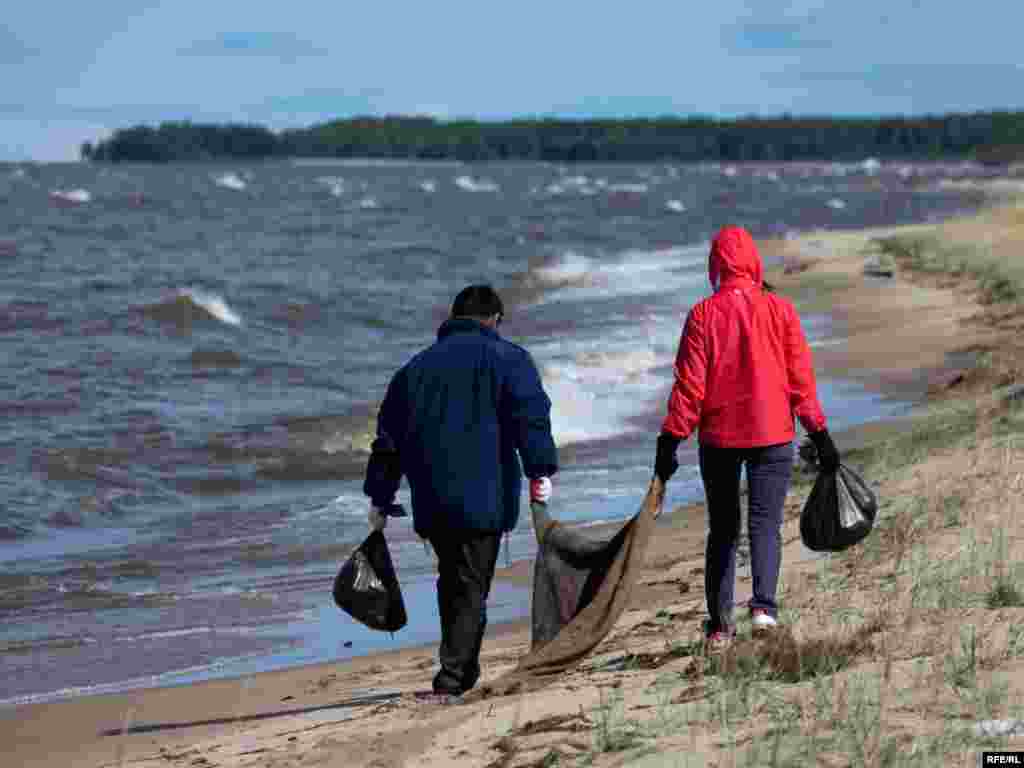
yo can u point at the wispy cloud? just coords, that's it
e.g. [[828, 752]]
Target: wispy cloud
[[757, 37], [260, 44]]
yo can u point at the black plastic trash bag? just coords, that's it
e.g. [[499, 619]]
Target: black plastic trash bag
[[839, 512], [366, 587]]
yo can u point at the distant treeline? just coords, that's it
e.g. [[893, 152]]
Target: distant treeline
[[987, 136]]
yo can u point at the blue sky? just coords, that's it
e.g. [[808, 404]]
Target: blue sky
[[76, 71]]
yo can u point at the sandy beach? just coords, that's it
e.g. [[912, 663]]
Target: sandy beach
[[874, 631]]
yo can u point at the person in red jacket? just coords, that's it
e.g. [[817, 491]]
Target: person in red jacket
[[742, 372]]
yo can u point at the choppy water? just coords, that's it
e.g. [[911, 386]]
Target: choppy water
[[192, 357]]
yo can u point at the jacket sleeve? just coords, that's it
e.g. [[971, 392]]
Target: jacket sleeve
[[803, 390], [527, 411], [384, 469], [687, 397]]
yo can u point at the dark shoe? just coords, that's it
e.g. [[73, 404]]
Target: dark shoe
[[446, 684]]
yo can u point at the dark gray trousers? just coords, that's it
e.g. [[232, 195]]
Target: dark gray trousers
[[466, 563], [769, 470]]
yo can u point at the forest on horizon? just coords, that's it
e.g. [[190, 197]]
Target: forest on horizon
[[991, 137]]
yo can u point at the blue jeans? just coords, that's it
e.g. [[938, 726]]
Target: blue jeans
[[768, 474]]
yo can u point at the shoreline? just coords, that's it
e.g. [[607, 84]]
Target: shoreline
[[279, 658], [884, 320]]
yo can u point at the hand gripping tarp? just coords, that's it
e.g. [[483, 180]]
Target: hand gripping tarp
[[581, 585]]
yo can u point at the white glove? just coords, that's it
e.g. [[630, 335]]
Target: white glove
[[540, 490], [377, 519]]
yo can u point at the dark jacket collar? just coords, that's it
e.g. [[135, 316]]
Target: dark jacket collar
[[464, 325]]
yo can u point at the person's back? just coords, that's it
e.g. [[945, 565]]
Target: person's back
[[460, 429], [456, 420], [743, 369]]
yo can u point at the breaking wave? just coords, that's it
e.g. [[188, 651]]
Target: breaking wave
[[471, 184], [230, 181], [190, 305], [71, 196]]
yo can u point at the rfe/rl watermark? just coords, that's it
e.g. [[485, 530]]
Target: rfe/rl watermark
[[1002, 758]]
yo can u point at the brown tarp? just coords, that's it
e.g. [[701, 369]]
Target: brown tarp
[[581, 586]]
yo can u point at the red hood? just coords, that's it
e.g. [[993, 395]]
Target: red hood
[[734, 257]]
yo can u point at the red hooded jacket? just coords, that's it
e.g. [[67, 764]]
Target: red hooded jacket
[[743, 368]]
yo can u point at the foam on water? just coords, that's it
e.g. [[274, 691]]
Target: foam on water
[[213, 304], [576, 276], [595, 396], [230, 181], [633, 188], [348, 505], [472, 184], [334, 184], [76, 196], [871, 166]]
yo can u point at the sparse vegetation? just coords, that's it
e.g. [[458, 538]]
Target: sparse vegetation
[[999, 280]]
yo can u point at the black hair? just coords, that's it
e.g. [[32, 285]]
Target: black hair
[[479, 301]]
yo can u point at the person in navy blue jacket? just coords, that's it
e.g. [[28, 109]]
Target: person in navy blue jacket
[[456, 421]]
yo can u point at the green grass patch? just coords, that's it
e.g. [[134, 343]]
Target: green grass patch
[[1000, 281]]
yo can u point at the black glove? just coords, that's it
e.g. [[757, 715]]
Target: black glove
[[828, 456], [665, 464]]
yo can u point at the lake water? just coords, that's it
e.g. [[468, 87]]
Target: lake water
[[192, 358]]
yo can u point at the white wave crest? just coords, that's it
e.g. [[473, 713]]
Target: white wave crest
[[630, 188], [428, 185], [335, 184], [676, 206], [230, 181], [471, 184], [836, 204], [571, 267], [634, 272], [213, 304], [75, 196], [871, 166], [594, 395]]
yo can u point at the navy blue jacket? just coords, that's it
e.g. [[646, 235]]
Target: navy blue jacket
[[453, 421]]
